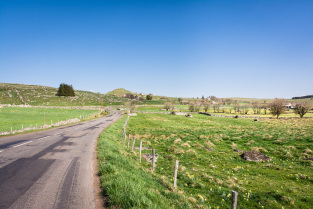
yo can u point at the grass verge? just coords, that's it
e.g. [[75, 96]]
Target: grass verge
[[126, 183]]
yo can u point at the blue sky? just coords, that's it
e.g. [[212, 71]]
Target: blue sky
[[239, 48]]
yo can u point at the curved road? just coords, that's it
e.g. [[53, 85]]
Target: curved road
[[52, 168]]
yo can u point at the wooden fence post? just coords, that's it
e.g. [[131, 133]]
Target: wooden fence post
[[153, 160], [234, 196], [175, 174], [128, 140], [133, 143], [140, 147]]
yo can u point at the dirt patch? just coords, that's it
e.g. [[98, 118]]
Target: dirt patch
[[254, 156]]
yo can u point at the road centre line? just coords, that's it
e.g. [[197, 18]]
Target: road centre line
[[22, 144], [43, 137]]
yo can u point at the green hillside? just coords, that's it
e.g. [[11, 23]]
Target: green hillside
[[119, 92], [19, 94]]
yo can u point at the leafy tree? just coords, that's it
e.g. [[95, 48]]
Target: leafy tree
[[149, 97], [302, 108], [65, 90]]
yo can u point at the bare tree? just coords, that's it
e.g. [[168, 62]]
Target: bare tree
[[302, 108], [277, 107], [216, 107], [191, 106], [206, 105], [167, 106], [245, 109], [255, 107], [131, 106], [197, 106]]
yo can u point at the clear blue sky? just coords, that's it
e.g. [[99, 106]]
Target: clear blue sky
[[252, 48]]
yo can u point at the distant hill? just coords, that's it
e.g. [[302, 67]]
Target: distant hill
[[35, 95], [119, 92], [303, 97]]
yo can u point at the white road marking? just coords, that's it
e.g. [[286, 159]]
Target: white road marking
[[22, 144], [43, 137], [57, 134]]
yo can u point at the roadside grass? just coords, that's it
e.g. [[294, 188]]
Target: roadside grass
[[126, 183], [206, 178], [15, 117]]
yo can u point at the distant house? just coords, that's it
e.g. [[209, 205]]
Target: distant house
[[289, 106]]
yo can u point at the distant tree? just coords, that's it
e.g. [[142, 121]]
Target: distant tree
[[191, 106], [130, 96], [65, 90], [131, 106], [206, 105], [245, 109], [216, 106], [302, 108], [167, 106], [180, 100], [197, 106], [277, 107], [213, 98], [149, 97]]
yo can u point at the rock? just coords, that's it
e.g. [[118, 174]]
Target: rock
[[254, 156], [236, 116], [208, 148], [189, 115], [255, 119], [149, 157]]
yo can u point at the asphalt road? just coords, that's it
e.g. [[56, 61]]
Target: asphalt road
[[52, 168]]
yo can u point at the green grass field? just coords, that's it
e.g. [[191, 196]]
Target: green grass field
[[15, 117], [206, 178]]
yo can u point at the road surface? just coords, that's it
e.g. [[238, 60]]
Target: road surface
[[52, 168]]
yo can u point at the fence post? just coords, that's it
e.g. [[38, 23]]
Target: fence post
[[133, 143], [11, 129], [234, 196], [153, 160], [175, 174], [140, 147], [128, 140], [22, 127]]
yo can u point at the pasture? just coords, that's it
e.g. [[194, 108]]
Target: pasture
[[209, 168], [15, 117]]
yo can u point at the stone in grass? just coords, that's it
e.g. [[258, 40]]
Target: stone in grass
[[149, 157], [132, 114], [189, 115], [255, 119], [254, 156], [208, 148]]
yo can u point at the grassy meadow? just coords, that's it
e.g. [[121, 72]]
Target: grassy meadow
[[206, 178], [16, 116]]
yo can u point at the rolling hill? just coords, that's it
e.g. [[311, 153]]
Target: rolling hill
[[20, 94]]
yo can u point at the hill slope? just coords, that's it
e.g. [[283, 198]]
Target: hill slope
[[119, 92], [35, 95]]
